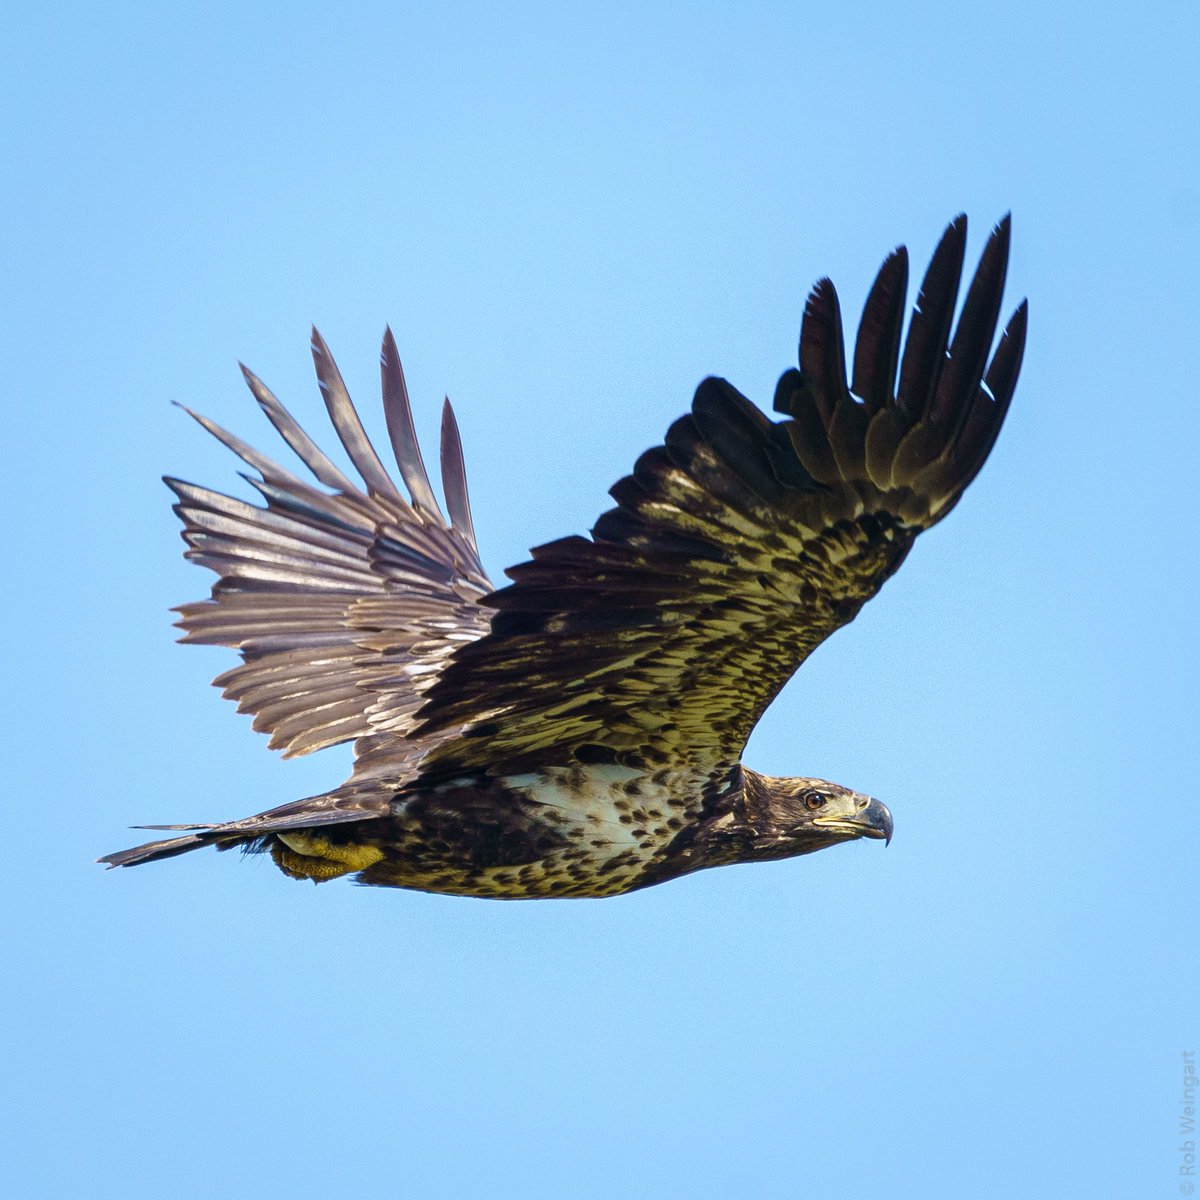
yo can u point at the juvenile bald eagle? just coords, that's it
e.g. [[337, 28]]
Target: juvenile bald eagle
[[579, 732]]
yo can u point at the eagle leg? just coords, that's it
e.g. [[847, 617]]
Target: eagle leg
[[311, 856]]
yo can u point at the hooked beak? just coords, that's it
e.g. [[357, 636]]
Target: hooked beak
[[871, 820]]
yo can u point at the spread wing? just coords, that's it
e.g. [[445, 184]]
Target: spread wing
[[740, 544], [345, 605]]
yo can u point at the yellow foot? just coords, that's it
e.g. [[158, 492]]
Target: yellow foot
[[311, 856]]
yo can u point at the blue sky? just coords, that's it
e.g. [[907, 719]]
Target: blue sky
[[570, 217]]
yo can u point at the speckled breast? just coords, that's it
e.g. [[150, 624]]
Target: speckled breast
[[574, 831]]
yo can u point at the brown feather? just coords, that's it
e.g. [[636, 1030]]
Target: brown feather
[[877, 349], [454, 476], [925, 348], [398, 413]]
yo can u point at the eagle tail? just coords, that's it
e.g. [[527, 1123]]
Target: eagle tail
[[163, 848], [338, 807]]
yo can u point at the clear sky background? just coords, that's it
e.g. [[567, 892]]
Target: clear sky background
[[569, 215]]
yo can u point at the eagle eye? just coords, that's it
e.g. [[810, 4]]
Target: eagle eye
[[813, 801]]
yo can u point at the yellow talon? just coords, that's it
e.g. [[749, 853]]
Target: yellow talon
[[311, 856]]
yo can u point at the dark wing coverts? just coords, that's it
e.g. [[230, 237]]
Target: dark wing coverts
[[740, 544]]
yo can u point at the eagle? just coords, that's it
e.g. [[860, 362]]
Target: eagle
[[579, 732]]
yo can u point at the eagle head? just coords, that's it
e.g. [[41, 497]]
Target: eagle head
[[797, 816]]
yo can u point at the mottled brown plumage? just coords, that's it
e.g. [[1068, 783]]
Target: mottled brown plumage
[[579, 732]]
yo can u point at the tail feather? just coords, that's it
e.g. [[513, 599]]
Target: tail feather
[[315, 812], [153, 851]]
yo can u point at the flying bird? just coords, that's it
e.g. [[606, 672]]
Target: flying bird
[[579, 732]]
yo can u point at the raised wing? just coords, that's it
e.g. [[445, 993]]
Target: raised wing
[[344, 606], [740, 544]]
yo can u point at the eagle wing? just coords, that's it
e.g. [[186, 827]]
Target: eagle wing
[[344, 606], [740, 544]]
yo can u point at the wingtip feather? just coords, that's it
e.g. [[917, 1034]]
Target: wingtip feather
[[823, 348], [877, 346], [454, 475], [348, 424], [398, 413]]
